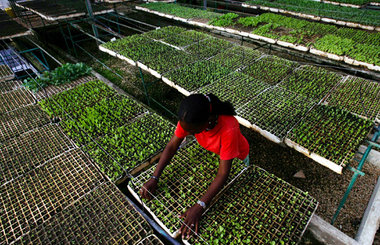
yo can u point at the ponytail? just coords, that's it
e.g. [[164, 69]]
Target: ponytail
[[197, 108]]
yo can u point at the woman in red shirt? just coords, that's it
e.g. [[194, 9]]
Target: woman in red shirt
[[212, 123]]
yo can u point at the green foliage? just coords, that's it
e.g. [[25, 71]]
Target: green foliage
[[249, 21], [320, 133], [61, 75], [359, 96], [180, 11], [224, 20], [364, 16], [312, 82]]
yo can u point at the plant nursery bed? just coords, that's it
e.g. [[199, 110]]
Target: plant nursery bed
[[312, 82], [275, 111], [238, 88], [54, 11], [15, 99], [77, 99], [270, 69], [359, 96], [31, 149], [11, 29], [316, 38], [333, 145], [259, 208], [151, 240], [19, 121], [131, 145], [8, 86], [101, 119], [44, 192], [103, 215], [6, 73], [183, 182], [53, 90]]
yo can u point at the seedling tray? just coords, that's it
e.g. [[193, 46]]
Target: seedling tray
[[31, 149], [15, 99], [8, 86], [238, 88], [6, 73], [43, 192], [182, 183], [359, 96], [11, 29], [275, 111], [103, 216], [77, 99], [258, 208], [329, 143], [270, 69], [53, 90], [150, 240], [21, 120], [236, 57], [312, 82], [59, 10], [131, 145]]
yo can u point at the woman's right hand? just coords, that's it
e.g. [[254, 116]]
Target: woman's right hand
[[148, 188]]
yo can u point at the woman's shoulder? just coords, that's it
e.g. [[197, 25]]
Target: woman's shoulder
[[229, 121]]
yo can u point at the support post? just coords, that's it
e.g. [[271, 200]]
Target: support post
[[90, 13], [356, 173]]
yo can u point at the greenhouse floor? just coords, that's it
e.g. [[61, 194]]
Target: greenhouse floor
[[326, 186]]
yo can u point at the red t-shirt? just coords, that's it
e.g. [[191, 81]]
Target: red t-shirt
[[225, 139]]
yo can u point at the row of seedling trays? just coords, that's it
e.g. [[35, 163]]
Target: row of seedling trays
[[44, 168], [37, 196], [119, 133], [29, 150], [6, 73], [285, 92], [302, 48], [103, 215], [254, 206]]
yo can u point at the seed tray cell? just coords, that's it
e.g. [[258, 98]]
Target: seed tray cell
[[52, 90], [270, 69], [182, 183], [196, 75], [6, 73], [150, 240], [236, 57], [208, 47], [8, 86], [238, 88], [276, 110], [132, 144], [15, 99], [103, 216], [31, 149], [312, 82], [21, 120], [77, 99], [258, 208], [359, 96], [44, 191], [336, 143]]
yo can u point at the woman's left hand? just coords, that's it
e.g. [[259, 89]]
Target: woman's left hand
[[192, 217]]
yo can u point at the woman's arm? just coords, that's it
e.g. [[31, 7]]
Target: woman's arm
[[169, 151], [193, 214]]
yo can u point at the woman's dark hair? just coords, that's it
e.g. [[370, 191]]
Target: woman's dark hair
[[196, 108]]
